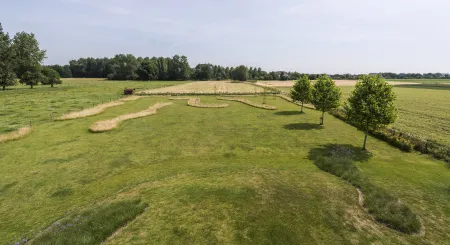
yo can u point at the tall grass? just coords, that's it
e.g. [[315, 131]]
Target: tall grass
[[90, 111], [91, 226], [386, 208], [111, 124], [18, 134]]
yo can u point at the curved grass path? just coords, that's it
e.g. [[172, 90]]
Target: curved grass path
[[250, 103], [111, 124], [90, 111]]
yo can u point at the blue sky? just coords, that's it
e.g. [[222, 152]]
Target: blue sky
[[314, 36]]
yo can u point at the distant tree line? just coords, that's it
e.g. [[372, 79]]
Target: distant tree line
[[128, 67], [21, 58]]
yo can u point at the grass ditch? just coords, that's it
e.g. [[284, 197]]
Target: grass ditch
[[91, 226], [15, 135], [339, 160], [90, 111], [248, 102], [111, 124]]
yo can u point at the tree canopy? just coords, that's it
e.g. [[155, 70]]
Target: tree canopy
[[7, 75], [371, 104], [325, 95], [302, 90], [28, 55]]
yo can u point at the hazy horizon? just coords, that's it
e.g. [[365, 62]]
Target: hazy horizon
[[307, 36]]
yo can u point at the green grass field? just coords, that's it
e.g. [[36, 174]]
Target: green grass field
[[235, 175], [423, 110]]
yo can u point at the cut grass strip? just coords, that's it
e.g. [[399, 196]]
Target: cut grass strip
[[250, 103], [90, 111], [179, 98], [339, 160], [91, 226], [108, 125], [195, 102], [131, 98], [15, 135]]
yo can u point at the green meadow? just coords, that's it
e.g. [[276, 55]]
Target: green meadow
[[187, 175]]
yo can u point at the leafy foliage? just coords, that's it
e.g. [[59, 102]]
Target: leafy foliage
[[50, 77], [325, 95], [371, 105], [28, 55], [7, 75], [301, 91]]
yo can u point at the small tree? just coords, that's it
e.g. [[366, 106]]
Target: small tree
[[32, 78], [240, 73], [371, 104], [7, 75], [50, 76], [325, 95], [302, 90]]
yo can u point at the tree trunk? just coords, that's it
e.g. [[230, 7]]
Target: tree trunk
[[4, 87], [365, 139], [321, 119], [31, 86], [302, 106], [52, 85]]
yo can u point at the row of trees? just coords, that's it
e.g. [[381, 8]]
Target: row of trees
[[21, 57], [128, 67], [370, 105]]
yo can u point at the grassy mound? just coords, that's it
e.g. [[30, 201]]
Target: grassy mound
[[91, 226], [386, 208]]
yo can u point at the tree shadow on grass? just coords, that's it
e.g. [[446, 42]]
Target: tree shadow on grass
[[288, 113], [303, 126], [343, 150]]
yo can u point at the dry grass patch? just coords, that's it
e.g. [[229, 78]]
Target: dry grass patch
[[20, 133], [250, 103], [111, 124], [90, 111], [131, 98], [179, 98], [195, 102]]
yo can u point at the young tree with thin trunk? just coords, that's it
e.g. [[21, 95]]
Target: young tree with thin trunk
[[301, 91], [50, 76], [371, 104], [325, 95], [7, 75], [32, 78]]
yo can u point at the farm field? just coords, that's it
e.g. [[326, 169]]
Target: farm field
[[351, 83], [234, 175], [423, 110], [208, 87]]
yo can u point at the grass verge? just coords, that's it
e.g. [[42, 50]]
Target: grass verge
[[386, 208], [90, 111], [91, 226], [111, 124], [250, 103], [15, 135]]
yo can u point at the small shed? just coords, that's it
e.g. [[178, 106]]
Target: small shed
[[128, 91]]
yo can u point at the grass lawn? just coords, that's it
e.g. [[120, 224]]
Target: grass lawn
[[235, 175], [423, 110], [20, 104]]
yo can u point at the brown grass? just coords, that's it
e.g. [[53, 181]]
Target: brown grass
[[178, 98], [341, 83], [18, 134], [248, 102], [111, 124], [90, 111], [195, 102], [131, 98]]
